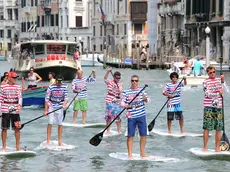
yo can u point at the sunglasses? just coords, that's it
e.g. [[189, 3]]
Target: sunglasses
[[212, 72], [134, 80], [14, 77]]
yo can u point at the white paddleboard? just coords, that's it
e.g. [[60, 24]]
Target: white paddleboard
[[11, 152], [112, 133], [176, 133], [136, 157], [94, 125], [211, 153], [54, 146]]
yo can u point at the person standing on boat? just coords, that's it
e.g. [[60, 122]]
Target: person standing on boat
[[197, 67], [213, 112], [76, 54], [56, 97], [136, 115], [11, 103], [79, 86], [174, 103], [32, 78], [52, 77], [112, 100], [4, 78]]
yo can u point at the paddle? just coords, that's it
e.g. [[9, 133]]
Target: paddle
[[152, 123], [96, 140], [224, 142], [38, 118], [64, 114]]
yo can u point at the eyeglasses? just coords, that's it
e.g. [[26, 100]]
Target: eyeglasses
[[212, 72], [134, 80], [14, 77]]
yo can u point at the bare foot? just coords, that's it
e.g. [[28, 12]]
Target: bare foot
[[107, 133], [60, 144], [130, 157], [205, 149], [83, 123], [170, 131], [74, 121], [3, 149], [217, 149], [143, 155], [19, 149], [47, 143], [182, 131]]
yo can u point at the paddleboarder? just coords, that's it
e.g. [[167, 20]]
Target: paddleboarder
[[11, 103], [174, 103], [112, 100], [4, 78], [56, 97], [136, 115], [32, 78], [213, 112], [79, 86]]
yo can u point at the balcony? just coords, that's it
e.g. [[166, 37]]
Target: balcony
[[27, 9], [170, 1], [47, 7], [110, 18]]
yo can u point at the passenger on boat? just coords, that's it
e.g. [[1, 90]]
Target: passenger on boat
[[187, 67], [76, 55], [32, 78], [4, 78], [197, 67], [52, 77]]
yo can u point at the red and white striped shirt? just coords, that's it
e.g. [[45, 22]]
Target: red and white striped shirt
[[10, 97], [113, 91], [211, 89]]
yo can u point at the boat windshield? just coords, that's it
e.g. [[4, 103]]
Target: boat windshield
[[39, 49], [56, 49], [71, 49]]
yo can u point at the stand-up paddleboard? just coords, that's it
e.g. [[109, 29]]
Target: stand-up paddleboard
[[12, 153], [176, 133], [137, 157], [94, 125], [211, 153], [54, 146], [112, 133]]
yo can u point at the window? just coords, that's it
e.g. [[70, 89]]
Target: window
[[52, 20], [36, 3], [101, 30], [9, 12], [78, 21], [39, 49], [117, 29], [126, 6], [2, 17], [67, 38], [8, 33], [125, 29], [9, 45], [43, 21], [118, 7], [78, 0], [94, 47], [32, 3], [71, 49], [94, 30], [38, 21], [16, 14], [67, 21], [1, 33], [101, 47], [57, 19], [137, 28], [61, 21], [55, 49]]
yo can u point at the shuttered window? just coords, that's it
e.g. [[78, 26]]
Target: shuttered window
[[52, 20], [38, 21], [43, 21], [78, 21]]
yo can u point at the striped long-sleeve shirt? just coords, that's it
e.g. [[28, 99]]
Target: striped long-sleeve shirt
[[211, 89], [137, 107], [56, 95], [113, 91], [81, 84], [10, 97], [170, 88]]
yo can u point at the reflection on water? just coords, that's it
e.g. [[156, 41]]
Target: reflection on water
[[8, 165], [137, 166], [97, 163]]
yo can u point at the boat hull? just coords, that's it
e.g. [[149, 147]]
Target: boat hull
[[35, 96]]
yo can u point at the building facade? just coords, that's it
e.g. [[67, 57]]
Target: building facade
[[119, 26], [171, 29], [216, 15], [9, 26]]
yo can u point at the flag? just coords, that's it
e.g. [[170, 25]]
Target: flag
[[102, 15]]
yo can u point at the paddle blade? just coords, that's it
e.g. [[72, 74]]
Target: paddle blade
[[21, 126], [224, 143], [151, 125], [96, 140], [64, 114]]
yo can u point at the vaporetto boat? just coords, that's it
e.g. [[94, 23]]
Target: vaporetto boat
[[45, 56]]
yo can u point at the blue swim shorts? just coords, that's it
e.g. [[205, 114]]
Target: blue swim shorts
[[139, 123]]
